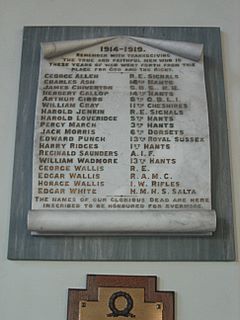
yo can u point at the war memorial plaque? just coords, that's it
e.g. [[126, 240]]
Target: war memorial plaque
[[121, 139], [121, 146], [115, 296]]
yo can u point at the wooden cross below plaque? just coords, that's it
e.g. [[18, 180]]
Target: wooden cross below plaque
[[109, 297]]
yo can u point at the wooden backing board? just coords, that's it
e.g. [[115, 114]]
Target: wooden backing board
[[219, 247], [94, 282]]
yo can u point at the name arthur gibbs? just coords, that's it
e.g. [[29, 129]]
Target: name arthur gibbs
[[121, 124]]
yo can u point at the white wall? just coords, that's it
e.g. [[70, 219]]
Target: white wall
[[38, 290]]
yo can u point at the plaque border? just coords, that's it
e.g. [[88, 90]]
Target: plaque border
[[219, 247]]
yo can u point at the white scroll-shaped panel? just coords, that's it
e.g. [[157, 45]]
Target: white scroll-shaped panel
[[121, 140]]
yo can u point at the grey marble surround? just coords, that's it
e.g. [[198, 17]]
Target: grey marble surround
[[219, 247]]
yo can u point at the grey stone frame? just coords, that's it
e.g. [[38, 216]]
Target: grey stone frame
[[219, 247]]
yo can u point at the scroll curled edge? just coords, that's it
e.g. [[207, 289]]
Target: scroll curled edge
[[188, 50], [71, 222]]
